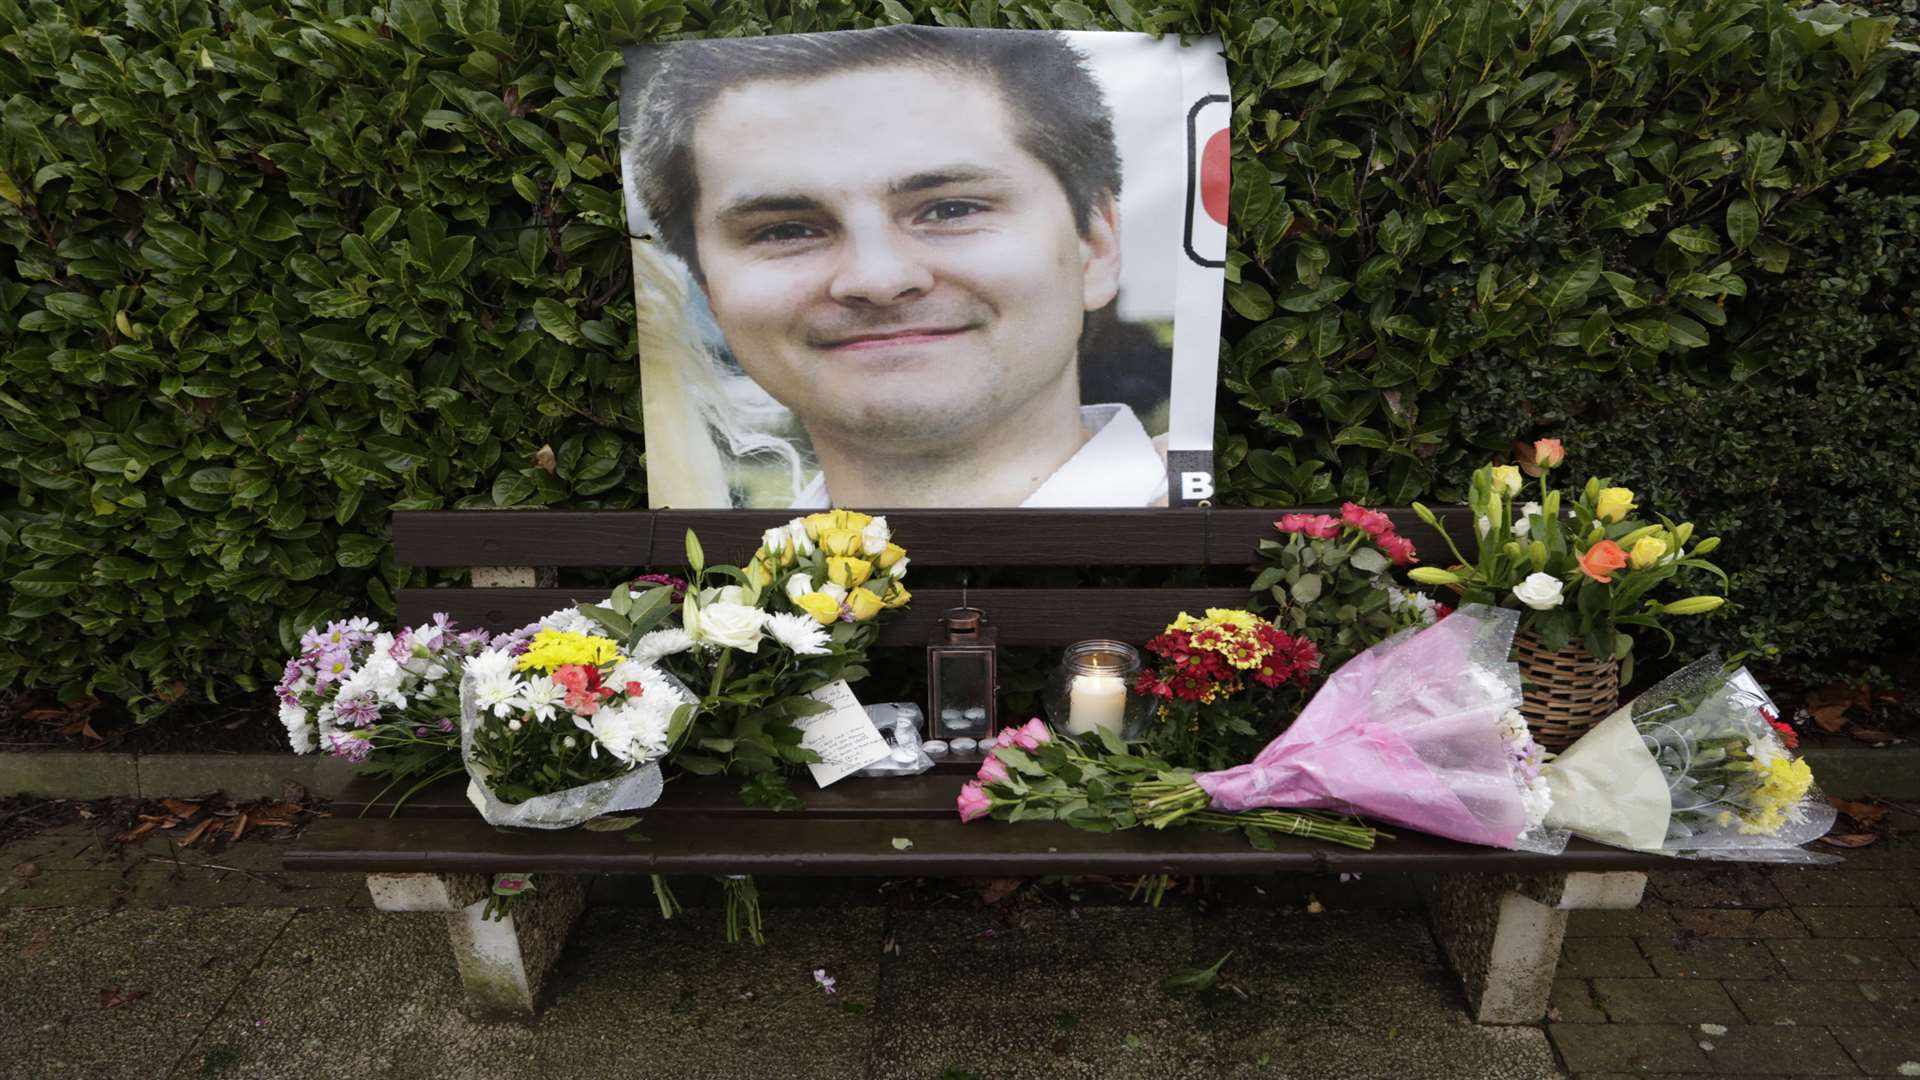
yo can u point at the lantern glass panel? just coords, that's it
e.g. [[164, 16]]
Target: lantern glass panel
[[966, 687]]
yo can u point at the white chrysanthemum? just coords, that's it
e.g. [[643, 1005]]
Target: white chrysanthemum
[[323, 722], [635, 730], [498, 694], [569, 621], [1513, 728], [491, 663], [1536, 798], [541, 696], [801, 634], [651, 648], [299, 727]]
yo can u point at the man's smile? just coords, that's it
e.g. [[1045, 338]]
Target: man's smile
[[888, 339]]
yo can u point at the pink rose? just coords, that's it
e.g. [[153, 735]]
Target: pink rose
[[1323, 527], [974, 802], [992, 771], [1293, 523], [1030, 735], [1006, 736], [1398, 548]]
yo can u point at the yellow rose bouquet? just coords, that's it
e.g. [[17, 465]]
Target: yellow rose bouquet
[[754, 641], [1579, 564]]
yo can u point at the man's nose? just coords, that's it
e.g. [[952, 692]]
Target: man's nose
[[878, 266]]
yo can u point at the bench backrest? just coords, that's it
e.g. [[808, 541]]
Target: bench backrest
[[507, 550]]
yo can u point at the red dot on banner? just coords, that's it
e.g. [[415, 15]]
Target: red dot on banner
[[1216, 175]]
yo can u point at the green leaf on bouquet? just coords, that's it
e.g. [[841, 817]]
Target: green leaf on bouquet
[[1266, 579], [718, 746], [1017, 758], [1194, 979], [804, 706], [616, 627], [1307, 589], [1110, 741], [1261, 839], [698, 764], [1368, 560], [650, 608], [621, 601], [696, 558]]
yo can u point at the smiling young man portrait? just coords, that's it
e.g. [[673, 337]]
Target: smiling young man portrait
[[899, 236]]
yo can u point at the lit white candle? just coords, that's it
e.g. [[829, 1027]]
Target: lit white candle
[[1096, 701]]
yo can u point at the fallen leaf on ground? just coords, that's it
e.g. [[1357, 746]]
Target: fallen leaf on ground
[[25, 869], [1873, 735], [180, 807], [1864, 813], [113, 997], [1849, 840], [187, 840], [901, 843], [42, 938], [1829, 704], [994, 890]]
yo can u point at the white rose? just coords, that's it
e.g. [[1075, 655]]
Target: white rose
[[1540, 592], [797, 535], [875, 537], [774, 540], [799, 585], [1521, 524], [732, 625], [837, 592], [728, 594]]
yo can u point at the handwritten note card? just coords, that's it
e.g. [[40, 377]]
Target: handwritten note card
[[843, 736]]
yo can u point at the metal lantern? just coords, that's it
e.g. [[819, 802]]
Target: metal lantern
[[963, 679]]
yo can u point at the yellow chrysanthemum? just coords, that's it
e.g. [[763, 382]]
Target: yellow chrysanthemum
[[555, 649], [1783, 783]]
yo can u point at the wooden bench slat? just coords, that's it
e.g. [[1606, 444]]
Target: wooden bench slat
[[930, 794], [642, 538], [1023, 616], [682, 844]]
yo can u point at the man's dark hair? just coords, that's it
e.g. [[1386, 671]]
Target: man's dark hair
[[1062, 120]]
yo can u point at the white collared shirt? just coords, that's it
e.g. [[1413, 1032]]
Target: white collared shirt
[[1117, 466]]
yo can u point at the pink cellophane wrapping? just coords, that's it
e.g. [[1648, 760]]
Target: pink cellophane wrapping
[[1407, 732]]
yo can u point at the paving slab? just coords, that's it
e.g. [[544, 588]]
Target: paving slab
[[1663, 1001], [1603, 958], [1862, 922], [1801, 1003], [1336, 965], [1640, 922], [1796, 1051], [1572, 1002], [1468, 1051], [1711, 958], [1637, 1048], [66, 774], [1825, 887], [1737, 923], [1848, 958], [1897, 1002], [119, 994], [1883, 1051]]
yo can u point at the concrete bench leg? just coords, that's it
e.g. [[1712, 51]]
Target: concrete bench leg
[[503, 962], [1502, 932]]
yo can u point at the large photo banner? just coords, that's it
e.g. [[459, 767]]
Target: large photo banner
[[927, 267]]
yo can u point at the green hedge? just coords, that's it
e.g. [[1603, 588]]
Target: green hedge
[[269, 271]]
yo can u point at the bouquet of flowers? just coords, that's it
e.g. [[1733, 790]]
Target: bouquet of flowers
[[755, 641], [1698, 766], [1422, 730], [565, 727], [1218, 682], [1579, 567], [1329, 578], [1035, 775], [385, 701]]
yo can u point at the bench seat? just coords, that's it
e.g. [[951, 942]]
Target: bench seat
[[699, 827]]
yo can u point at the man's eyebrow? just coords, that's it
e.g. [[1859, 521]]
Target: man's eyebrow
[[793, 202], [939, 178], [766, 204]]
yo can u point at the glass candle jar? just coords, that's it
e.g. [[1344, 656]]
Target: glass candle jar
[[1093, 688]]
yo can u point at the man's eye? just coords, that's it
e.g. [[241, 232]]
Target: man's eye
[[784, 233], [951, 210]]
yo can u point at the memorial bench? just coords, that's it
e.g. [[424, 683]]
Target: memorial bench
[[1499, 916]]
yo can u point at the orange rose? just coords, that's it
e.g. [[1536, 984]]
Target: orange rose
[[1548, 453], [1601, 560]]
